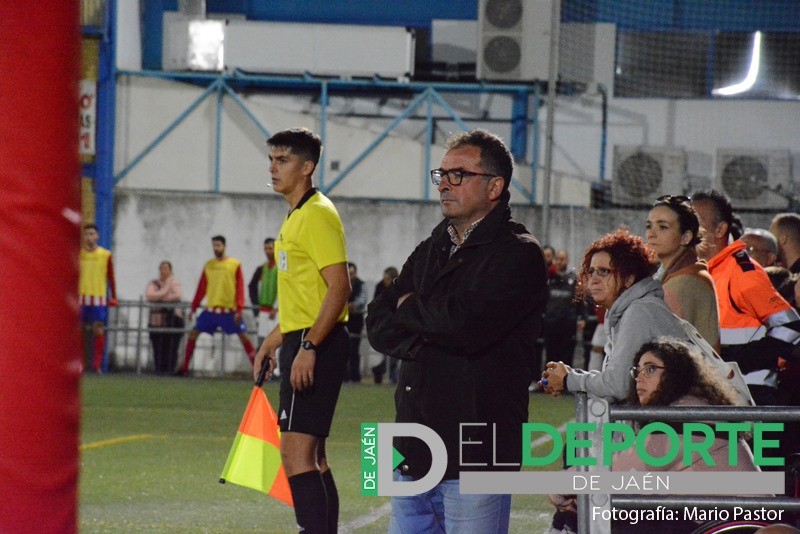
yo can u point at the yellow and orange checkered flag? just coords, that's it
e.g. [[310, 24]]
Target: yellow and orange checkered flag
[[255, 458]]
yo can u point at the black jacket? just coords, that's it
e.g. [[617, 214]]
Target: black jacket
[[562, 312], [467, 337]]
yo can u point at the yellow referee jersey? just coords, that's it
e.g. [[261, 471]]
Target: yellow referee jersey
[[311, 238]]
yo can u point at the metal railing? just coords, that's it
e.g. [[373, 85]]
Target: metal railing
[[598, 411], [129, 344]]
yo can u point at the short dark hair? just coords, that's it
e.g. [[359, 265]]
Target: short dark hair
[[167, 263], [629, 256], [723, 211], [391, 271], [687, 218], [219, 238], [301, 141], [495, 156], [269, 240], [353, 265], [788, 224], [91, 226]]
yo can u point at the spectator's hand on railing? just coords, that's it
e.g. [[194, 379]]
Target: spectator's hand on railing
[[554, 378], [113, 302]]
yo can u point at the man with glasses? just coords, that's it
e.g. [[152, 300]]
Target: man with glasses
[[761, 246], [463, 316]]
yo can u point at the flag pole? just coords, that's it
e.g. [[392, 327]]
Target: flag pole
[[262, 374]]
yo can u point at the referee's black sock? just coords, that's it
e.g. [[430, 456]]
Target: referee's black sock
[[332, 495], [310, 510]]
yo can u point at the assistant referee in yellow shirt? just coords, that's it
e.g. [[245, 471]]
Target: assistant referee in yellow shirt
[[313, 287]]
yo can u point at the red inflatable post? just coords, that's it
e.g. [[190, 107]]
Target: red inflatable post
[[39, 243]]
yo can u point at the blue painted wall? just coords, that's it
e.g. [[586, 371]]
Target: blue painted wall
[[414, 13]]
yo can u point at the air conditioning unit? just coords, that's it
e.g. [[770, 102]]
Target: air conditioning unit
[[323, 50], [513, 39], [192, 43], [644, 173], [754, 179]]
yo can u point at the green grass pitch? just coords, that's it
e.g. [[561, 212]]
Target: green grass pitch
[[153, 449]]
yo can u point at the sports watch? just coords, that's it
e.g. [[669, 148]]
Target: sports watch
[[307, 345]]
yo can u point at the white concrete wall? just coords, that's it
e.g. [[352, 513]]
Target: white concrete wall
[[151, 226]]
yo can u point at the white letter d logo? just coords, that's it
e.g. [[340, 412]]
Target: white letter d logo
[[386, 485]]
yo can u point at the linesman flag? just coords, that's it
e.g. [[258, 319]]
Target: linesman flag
[[255, 458]]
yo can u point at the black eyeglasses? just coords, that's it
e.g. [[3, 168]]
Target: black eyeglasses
[[673, 199], [649, 370], [455, 176]]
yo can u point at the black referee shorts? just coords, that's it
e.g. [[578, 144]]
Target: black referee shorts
[[311, 411]]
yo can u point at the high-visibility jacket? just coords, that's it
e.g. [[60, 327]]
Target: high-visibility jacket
[[757, 326]]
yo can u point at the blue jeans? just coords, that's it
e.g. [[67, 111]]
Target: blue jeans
[[445, 509]]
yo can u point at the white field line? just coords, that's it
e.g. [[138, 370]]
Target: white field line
[[367, 519]]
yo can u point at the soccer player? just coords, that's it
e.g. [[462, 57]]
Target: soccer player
[[222, 285], [313, 287], [96, 282]]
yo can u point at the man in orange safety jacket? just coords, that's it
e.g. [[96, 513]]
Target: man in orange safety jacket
[[757, 326]]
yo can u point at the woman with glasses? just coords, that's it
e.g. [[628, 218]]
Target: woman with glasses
[[672, 232], [617, 272], [668, 372]]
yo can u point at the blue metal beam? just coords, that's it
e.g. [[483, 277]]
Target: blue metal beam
[[210, 89], [106, 106], [519, 126], [312, 82], [239, 102], [408, 111], [323, 102], [537, 99], [428, 143], [218, 141]]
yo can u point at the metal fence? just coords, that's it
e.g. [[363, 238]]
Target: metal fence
[[129, 346], [598, 411]]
